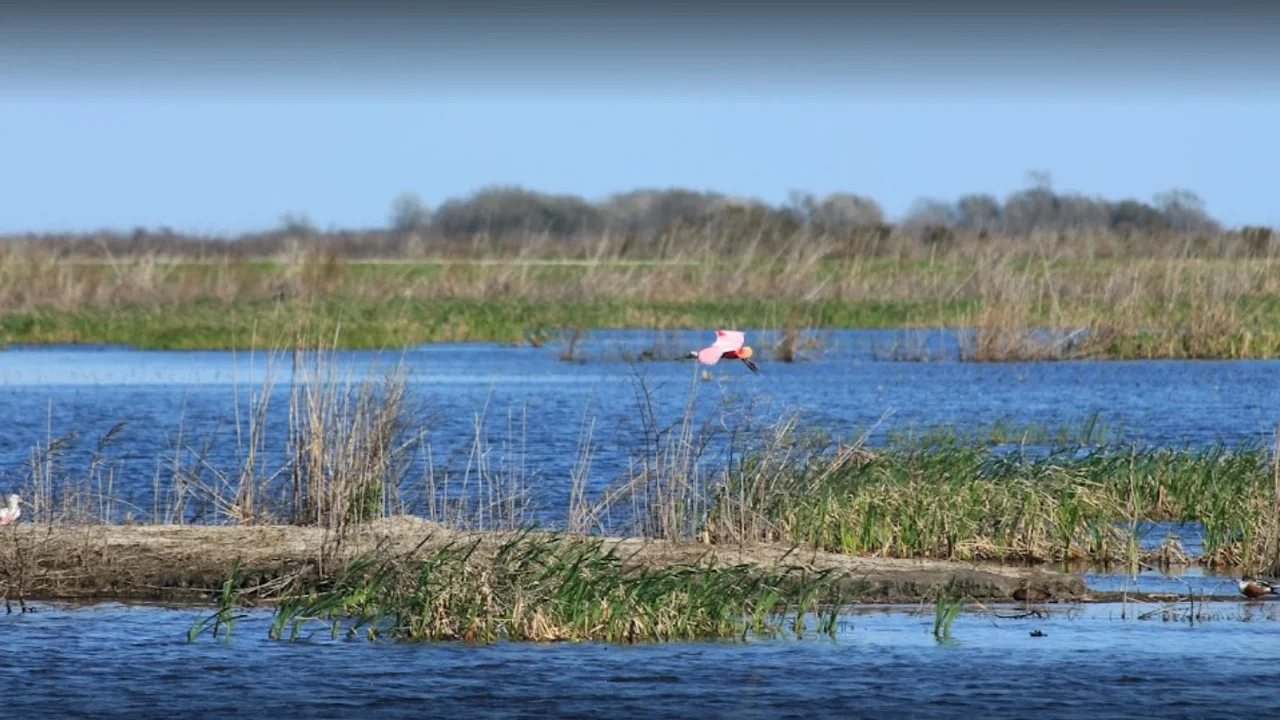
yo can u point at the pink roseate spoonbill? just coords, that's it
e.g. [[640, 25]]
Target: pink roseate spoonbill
[[728, 346], [11, 512]]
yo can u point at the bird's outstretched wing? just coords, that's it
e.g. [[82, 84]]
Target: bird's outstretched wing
[[726, 341], [730, 340], [710, 355]]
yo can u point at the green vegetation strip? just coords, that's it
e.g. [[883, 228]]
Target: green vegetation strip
[[544, 589], [209, 325], [394, 324], [958, 500], [1131, 309]]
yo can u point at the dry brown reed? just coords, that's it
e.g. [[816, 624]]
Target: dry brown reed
[[344, 452], [1048, 270], [1139, 297], [480, 496]]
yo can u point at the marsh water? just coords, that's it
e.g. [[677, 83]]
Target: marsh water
[[531, 406], [1092, 661]]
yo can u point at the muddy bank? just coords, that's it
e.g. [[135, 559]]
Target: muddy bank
[[189, 563]]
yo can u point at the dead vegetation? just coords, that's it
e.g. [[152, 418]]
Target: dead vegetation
[[1043, 298]]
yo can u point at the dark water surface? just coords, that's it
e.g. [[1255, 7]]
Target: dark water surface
[[115, 661]]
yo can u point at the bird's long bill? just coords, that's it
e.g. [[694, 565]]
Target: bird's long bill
[[750, 365]]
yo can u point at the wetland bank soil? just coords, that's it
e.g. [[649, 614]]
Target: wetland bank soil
[[188, 562]]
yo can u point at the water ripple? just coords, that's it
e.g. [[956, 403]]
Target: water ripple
[[113, 661]]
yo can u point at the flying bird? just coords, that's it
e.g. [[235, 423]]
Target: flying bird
[[11, 512], [1252, 588], [728, 346]]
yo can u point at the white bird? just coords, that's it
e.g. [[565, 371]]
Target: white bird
[[11, 512]]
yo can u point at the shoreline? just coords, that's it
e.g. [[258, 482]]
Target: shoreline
[[255, 326], [188, 563]]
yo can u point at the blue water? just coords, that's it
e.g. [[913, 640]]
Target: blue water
[[120, 661], [134, 662], [533, 406]]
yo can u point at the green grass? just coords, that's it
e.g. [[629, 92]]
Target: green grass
[[542, 589], [960, 500], [383, 324], [946, 607], [376, 324]]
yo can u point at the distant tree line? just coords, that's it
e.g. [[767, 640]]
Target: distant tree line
[[664, 222], [507, 210]]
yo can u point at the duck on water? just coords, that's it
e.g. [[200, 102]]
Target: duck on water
[[1252, 587]]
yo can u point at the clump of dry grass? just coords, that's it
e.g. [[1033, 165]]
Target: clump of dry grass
[[339, 462], [1183, 308]]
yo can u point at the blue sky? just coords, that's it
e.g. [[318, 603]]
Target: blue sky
[[229, 164], [119, 136]]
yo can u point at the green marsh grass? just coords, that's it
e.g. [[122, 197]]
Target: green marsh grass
[[557, 588], [1075, 493], [954, 500], [946, 607], [1092, 430], [224, 617]]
